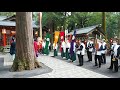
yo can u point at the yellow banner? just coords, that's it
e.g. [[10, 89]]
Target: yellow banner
[[56, 36]]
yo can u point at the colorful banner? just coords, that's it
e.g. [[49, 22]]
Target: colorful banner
[[47, 42], [62, 37], [74, 34], [56, 36]]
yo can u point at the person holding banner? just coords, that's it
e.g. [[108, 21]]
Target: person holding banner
[[55, 45], [62, 37], [73, 48], [55, 48], [47, 44], [98, 49], [56, 37], [62, 44]]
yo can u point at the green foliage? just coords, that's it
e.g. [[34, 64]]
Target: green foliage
[[95, 18], [1, 48], [113, 25], [77, 20], [7, 13], [55, 20]]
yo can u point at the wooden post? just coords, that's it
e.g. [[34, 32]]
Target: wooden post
[[40, 22], [104, 24], [4, 36], [4, 39]]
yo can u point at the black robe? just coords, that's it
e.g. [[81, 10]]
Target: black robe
[[118, 52], [13, 48]]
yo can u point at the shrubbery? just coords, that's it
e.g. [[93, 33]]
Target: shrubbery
[[1, 48]]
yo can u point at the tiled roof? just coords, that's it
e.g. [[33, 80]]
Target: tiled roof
[[12, 23], [83, 30]]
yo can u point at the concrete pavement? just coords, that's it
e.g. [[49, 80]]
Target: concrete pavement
[[90, 66], [63, 69]]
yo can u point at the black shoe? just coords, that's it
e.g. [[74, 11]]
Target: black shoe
[[88, 61], [81, 65], [95, 65], [98, 66], [78, 65], [104, 62], [110, 68], [115, 71], [101, 61]]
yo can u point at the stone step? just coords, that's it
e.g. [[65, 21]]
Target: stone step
[[5, 60], [1, 61]]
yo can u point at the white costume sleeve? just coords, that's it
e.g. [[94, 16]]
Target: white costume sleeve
[[64, 46], [49, 43], [53, 46], [56, 47], [74, 47]]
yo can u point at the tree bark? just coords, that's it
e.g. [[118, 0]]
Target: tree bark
[[104, 23], [25, 56]]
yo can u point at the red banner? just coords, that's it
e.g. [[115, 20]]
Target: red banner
[[62, 38]]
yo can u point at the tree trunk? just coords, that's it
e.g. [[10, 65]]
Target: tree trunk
[[50, 26], [25, 56], [118, 31], [52, 34], [104, 24]]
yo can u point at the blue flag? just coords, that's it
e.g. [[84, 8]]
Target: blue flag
[[74, 34]]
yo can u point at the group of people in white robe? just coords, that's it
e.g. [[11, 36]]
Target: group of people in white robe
[[71, 49]]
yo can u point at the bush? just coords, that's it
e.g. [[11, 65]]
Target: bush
[[1, 48]]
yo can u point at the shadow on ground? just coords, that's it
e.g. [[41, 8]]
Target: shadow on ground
[[90, 66], [5, 73]]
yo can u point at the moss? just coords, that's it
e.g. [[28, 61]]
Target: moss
[[20, 65], [1, 49]]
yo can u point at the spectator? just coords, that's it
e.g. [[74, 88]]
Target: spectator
[[13, 48]]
